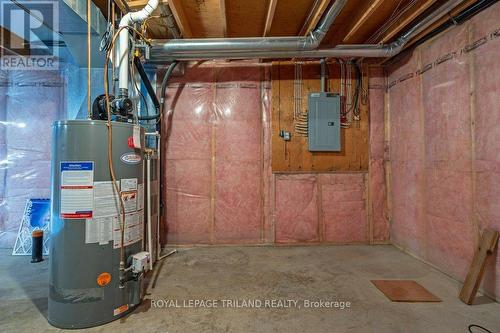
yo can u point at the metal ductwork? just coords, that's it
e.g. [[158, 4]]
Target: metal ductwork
[[206, 45], [288, 47]]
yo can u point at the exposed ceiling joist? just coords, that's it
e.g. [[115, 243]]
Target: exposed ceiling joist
[[10, 39], [315, 14], [375, 4], [180, 18], [270, 16], [122, 4], [103, 6], [441, 21], [407, 20], [222, 5], [140, 3]]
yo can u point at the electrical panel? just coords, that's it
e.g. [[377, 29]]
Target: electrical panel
[[324, 122]]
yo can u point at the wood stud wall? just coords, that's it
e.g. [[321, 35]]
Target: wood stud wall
[[294, 156]]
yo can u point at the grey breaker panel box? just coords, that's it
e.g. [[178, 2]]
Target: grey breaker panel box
[[324, 122]]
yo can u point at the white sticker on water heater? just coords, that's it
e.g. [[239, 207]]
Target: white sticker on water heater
[[132, 232], [128, 184], [99, 230], [137, 136], [77, 190], [106, 200]]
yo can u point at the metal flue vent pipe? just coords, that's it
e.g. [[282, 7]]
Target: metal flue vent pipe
[[207, 45], [162, 51]]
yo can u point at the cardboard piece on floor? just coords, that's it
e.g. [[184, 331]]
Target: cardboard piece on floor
[[404, 291], [474, 277]]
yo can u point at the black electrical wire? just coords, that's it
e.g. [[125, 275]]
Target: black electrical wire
[[459, 18], [478, 326], [131, 71], [355, 99], [164, 82], [106, 38]]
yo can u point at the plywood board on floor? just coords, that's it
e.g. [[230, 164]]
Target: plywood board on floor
[[405, 291]]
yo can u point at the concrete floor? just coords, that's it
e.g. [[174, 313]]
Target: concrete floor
[[264, 273]]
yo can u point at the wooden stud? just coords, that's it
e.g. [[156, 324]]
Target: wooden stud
[[362, 20], [407, 20], [180, 18], [314, 16], [270, 16], [474, 277], [222, 5], [472, 111]]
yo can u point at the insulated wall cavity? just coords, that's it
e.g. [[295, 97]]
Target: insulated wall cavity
[[444, 143], [219, 187], [377, 208], [214, 164], [30, 101]]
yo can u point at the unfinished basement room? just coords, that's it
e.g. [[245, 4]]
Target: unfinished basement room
[[184, 166]]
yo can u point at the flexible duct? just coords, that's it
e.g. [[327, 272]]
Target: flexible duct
[[123, 52], [259, 48]]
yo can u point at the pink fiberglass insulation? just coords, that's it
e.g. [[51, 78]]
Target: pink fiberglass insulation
[[376, 174], [219, 185], [30, 102], [238, 162], [188, 160], [452, 178], [327, 208], [214, 134], [487, 136], [406, 155], [343, 207], [297, 217], [447, 123]]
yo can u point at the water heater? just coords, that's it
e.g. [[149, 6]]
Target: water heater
[[84, 284]]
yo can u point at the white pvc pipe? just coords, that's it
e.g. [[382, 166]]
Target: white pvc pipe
[[158, 195], [148, 210], [123, 53]]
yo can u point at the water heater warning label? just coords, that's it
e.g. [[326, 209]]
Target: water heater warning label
[[77, 190]]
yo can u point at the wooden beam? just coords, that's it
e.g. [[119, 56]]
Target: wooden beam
[[314, 16], [375, 4], [474, 277], [222, 5], [103, 6], [13, 40], [180, 18], [270, 16], [140, 3], [124, 8], [407, 20]]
